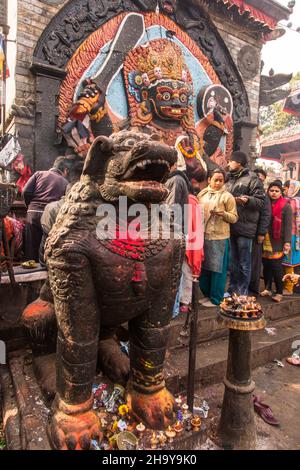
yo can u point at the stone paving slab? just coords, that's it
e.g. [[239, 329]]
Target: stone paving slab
[[281, 391]]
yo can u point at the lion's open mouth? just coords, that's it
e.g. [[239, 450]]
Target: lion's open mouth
[[150, 170], [143, 178]]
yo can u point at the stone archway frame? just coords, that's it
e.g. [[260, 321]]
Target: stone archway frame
[[78, 19]]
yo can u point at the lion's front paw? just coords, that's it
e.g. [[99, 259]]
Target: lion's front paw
[[155, 410], [74, 432]]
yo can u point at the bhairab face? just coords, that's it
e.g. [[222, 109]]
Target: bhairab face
[[170, 99]]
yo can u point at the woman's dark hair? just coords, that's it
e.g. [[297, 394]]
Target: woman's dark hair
[[287, 184], [215, 171], [276, 183], [260, 171]]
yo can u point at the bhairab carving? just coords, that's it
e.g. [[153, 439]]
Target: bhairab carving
[[159, 88], [160, 96], [248, 62], [77, 19], [100, 283]]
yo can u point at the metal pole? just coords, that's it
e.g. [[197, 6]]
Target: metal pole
[[193, 345]]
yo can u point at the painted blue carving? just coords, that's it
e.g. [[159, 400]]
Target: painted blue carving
[[134, 89], [222, 143], [116, 94]]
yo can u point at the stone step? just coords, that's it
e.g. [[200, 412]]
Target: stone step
[[211, 357], [209, 329]]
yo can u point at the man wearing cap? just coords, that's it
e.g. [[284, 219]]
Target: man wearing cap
[[249, 194]]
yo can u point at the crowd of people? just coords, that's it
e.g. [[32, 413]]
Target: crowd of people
[[248, 230]]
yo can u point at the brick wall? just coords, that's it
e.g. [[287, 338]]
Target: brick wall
[[33, 17]]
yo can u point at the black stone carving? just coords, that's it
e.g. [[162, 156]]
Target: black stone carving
[[266, 98], [47, 92], [135, 283], [78, 18], [27, 110], [270, 91], [268, 82], [248, 62]]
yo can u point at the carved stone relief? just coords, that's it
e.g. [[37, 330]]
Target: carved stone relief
[[77, 19], [248, 62]]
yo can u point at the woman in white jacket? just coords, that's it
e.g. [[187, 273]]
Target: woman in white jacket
[[219, 212]]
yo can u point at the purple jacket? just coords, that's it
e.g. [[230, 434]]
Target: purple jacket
[[44, 187]]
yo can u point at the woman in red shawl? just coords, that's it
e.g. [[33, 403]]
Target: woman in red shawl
[[277, 242]]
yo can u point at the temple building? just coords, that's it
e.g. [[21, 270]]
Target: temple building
[[46, 40]]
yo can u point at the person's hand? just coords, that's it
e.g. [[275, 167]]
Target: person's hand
[[294, 278], [244, 199], [241, 200], [260, 239], [218, 213], [286, 248]]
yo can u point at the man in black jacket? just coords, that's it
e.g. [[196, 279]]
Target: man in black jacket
[[262, 228], [249, 195]]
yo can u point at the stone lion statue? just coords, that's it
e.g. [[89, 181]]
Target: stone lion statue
[[99, 283]]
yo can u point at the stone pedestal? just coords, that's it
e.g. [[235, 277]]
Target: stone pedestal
[[237, 427]]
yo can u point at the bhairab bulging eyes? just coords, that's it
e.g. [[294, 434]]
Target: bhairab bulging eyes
[[167, 96], [183, 98]]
